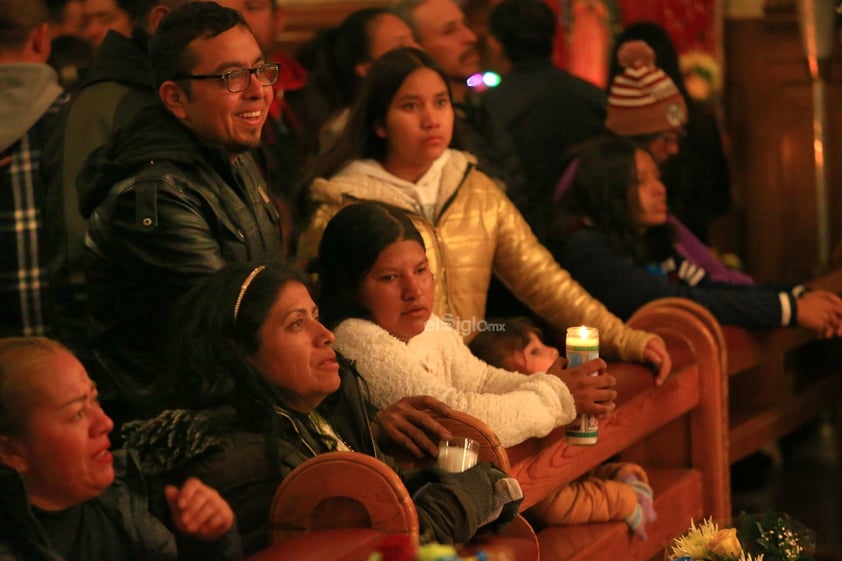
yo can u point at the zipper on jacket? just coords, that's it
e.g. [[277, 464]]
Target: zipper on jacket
[[364, 410], [437, 237], [280, 412], [255, 199]]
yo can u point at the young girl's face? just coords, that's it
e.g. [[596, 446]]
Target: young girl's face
[[418, 126], [535, 357], [651, 194], [398, 290]]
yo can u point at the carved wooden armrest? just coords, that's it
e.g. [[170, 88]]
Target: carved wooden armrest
[[658, 315], [348, 490], [342, 490], [670, 317]]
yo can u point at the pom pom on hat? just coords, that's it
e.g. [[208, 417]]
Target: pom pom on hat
[[633, 54], [642, 98]]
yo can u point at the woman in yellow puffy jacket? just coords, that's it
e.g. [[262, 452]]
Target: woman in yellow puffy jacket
[[396, 149]]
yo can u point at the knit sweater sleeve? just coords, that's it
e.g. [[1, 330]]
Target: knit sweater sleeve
[[515, 406], [529, 270], [590, 259]]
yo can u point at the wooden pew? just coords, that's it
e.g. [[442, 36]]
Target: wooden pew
[[770, 383], [778, 379], [732, 391]]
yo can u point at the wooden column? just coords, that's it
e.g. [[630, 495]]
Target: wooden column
[[769, 115]]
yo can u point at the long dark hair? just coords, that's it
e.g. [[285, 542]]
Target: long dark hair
[[209, 346], [331, 59], [604, 195], [350, 245], [359, 139]]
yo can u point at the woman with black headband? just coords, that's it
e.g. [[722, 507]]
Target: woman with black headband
[[261, 391]]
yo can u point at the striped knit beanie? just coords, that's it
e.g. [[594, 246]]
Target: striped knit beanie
[[643, 99]]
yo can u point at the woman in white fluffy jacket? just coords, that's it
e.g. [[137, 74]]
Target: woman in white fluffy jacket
[[377, 294]]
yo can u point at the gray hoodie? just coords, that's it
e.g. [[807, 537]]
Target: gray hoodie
[[27, 89]]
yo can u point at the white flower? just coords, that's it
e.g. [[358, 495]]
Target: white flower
[[694, 543]]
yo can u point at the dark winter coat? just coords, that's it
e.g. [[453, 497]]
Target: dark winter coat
[[623, 286], [126, 503], [217, 447], [546, 111], [165, 210], [116, 85]]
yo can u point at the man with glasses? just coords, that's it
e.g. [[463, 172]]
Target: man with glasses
[[282, 153], [175, 195]]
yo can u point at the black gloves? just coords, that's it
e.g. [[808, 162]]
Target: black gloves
[[482, 496]]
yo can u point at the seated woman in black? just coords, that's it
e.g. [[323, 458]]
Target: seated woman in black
[[65, 495], [610, 232], [262, 391]]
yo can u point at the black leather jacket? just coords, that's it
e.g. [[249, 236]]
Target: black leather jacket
[[164, 211]]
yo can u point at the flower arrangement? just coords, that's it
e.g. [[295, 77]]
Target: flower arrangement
[[399, 548], [702, 75], [767, 537]]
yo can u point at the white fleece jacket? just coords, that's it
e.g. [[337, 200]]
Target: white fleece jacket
[[438, 363]]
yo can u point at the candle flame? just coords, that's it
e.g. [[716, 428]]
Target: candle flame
[[583, 333]]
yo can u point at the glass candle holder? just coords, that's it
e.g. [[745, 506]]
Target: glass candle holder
[[582, 344]]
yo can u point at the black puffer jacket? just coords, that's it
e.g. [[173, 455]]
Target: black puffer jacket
[[164, 211], [217, 447]]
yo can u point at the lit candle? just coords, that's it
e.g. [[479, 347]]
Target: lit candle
[[582, 344]]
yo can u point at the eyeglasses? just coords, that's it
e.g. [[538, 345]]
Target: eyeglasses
[[238, 80]]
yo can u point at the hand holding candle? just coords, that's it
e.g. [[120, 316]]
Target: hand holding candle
[[582, 345], [582, 354], [589, 384]]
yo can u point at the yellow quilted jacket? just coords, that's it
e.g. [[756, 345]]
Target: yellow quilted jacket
[[476, 231]]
